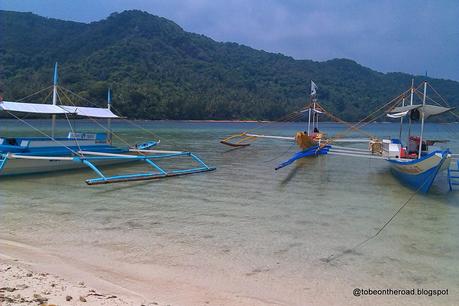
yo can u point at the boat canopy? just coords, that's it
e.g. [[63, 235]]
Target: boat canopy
[[89, 111], [36, 108], [428, 110], [33, 108]]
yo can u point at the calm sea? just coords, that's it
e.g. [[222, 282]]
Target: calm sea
[[255, 232]]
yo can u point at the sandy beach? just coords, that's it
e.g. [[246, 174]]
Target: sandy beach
[[24, 282], [23, 286]]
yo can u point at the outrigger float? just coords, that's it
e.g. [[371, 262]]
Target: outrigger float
[[31, 155], [416, 165]]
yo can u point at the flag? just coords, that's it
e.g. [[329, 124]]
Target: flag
[[313, 88]]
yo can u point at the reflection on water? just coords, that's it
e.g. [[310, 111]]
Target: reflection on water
[[245, 217]]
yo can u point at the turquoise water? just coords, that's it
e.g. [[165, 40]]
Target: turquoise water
[[245, 228]]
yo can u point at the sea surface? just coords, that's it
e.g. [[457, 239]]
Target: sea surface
[[245, 229]]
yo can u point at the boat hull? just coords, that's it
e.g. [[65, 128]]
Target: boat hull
[[35, 166], [420, 174]]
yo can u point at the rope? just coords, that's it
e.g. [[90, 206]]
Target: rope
[[438, 95], [420, 95], [101, 125], [116, 110], [47, 96], [346, 123], [43, 133], [333, 257], [359, 125], [392, 103], [70, 124], [35, 93], [283, 120]]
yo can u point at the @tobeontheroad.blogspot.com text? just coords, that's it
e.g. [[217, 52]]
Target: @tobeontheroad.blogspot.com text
[[402, 292]]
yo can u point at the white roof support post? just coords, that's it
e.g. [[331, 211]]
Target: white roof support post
[[401, 121], [411, 103], [109, 121], [422, 118], [53, 120]]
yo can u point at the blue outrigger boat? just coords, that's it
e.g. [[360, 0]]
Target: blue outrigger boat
[[31, 155], [416, 164]]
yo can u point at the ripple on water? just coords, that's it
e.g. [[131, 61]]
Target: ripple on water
[[247, 217]]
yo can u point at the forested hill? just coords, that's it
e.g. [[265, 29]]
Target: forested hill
[[159, 71]]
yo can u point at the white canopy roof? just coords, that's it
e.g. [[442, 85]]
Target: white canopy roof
[[36, 108], [428, 110], [89, 111], [31, 108], [398, 115]]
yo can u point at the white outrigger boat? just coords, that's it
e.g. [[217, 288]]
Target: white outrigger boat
[[30, 155], [416, 164]]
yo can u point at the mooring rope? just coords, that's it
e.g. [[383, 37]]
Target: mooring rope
[[333, 257]]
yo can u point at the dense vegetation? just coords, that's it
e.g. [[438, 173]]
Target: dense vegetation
[[158, 71]]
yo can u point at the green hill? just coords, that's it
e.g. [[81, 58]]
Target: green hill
[[157, 70]]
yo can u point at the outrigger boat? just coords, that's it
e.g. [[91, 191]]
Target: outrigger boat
[[416, 165], [312, 142], [31, 155]]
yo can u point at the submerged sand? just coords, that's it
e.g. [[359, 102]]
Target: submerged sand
[[33, 276], [242, 235]]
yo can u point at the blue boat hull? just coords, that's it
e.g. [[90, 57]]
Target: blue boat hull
[[420, 174]]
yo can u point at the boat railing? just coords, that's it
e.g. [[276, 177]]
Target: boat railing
[[97, 137]]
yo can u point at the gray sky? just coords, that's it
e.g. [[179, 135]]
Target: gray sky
[[386, 35]]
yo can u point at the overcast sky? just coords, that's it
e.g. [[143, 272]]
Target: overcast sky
[[385, 35]]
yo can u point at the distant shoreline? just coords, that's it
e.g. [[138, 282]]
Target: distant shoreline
[[221, 121]]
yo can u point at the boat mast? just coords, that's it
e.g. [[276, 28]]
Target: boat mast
[[109, 121], [317, 121], [311, 98], [313, 115], [422, 118], [411, 103], [401, 121], [53, 120], [309, 116]]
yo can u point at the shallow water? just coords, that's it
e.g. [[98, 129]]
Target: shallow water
[[259, 232]]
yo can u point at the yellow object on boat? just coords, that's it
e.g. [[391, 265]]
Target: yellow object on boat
[[303, 140]]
